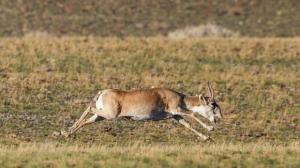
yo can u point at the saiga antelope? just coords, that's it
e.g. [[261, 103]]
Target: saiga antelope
[[151, 104]]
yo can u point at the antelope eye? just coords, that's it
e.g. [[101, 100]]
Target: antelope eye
[[213, 105]]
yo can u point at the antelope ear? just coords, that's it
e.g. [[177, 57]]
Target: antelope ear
[[202, 98]]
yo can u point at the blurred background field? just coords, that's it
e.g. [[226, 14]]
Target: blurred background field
[[56, 55], [251, 18]]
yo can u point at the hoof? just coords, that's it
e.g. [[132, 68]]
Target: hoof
[[65, 134], [210, 128], [206, 138], [56, 134], [210, 140]]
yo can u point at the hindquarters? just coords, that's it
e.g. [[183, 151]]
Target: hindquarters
[[107, 104]]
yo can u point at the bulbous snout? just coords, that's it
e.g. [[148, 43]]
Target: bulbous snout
[[218, 114]]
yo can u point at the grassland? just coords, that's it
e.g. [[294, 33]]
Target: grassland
[[253, 18], [221, 155], [46, 83]]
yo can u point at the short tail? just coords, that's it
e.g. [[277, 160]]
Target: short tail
[[93, 102]]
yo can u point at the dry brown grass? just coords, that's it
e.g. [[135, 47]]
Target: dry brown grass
[[220, 155], [45, 83], [148, 18]]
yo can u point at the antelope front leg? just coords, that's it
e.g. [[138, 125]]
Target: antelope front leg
[[209, 128], [187, 125], [193, 116]]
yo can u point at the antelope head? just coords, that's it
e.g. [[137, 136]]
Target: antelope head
[[208, 106]]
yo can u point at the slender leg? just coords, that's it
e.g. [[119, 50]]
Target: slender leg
[[77, 123], [209, 128], [85, 113], [84, 122], [193, 116], [187, 125]]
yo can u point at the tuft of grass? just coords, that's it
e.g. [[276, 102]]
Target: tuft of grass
[[37, 34], [208, 30]]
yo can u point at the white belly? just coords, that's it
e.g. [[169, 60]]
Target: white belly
[[153, 116], [99, 103]]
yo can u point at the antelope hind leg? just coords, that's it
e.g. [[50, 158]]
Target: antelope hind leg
[[77, 123], [85, 113], [85, 122]]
